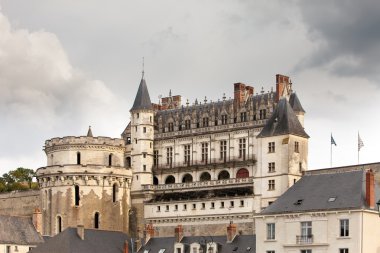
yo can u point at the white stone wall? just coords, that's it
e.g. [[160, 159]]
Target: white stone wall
[[363, 232], [16, 248]]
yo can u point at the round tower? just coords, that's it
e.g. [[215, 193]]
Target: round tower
[[85, 183]]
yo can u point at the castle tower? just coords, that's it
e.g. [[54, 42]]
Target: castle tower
[[283, 150], [142, 137], [85, 183]]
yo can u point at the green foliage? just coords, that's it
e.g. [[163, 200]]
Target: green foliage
[[20, 179]]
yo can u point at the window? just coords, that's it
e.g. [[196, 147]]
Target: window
[[115, 190], [296, 147], [187, 124], [161, 251], [344, 227], [155, 158], [300, 167], [271, 167], [271, 231], [184, 207], [203, 205], [178, 250], [128, 161], [175, 207], [232, 204], [223, 150], [110, 160], [170, 127], [78, 158], [144, 167], [167, 208], [205, 122], [263, 114], [170, 180], [194, 206], [195, 250], [8, 249], [222, 204], [212, 205], [243, 117], [187, 154], [306, 251], [76, 193], [242, 173], [150, 119], [128, 140], [271, 185], [224, 119], [270, 251], [59, 224], [306, 233], [187, 178], [138, 115], [343, 250], [144, 155], [204, 152], [271, 147], [96, 220], [16, 249], [242, 147], [169, 156], [241, 203], [158, 209]]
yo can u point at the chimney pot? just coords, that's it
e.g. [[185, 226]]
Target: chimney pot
[[231, 232], [37, 220], [370, 189], [178, 233], [80, 231], [126, 246]]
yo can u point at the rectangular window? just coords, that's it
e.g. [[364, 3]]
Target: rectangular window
[[270, 251], [306, 251], [204, 152], [271, 167], [144, 155], [296, 147], [195, 250], [232, 204], [194, 206], [242, 148], [222, 204], [167, 208], [300, 167], [205, 122], [223, 150], [184, 207], [241, 203], [158, 208], [155, 158], [306, 233], [343, 250], [187, 154], [203, 205], [8, 249], [144, 129], [175, 207], [187, 124], [271, 147], [178, 250], [271, 231], [212, 205], [169, 156], [224, 119], [263, 114], [271, 185], [243, 117], [170, 127], [144, 167], [344, 228]]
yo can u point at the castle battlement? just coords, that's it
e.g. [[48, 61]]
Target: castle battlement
[[81, 140]]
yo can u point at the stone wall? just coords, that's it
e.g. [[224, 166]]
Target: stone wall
[[20, 203]]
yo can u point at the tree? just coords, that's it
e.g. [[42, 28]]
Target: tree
[[18, 179]]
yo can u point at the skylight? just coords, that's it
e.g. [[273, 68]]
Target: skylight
[[332, 199], [298, 202], [161, 251]]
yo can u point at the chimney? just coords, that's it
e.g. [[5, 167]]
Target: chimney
[[37, 220], [370, 189], [231, 232], [80, 231], [239, 93], [178, 231], [281, 83], [125, 246], [149, 232]]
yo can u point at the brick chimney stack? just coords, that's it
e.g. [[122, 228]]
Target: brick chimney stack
[[125, 246], [370, 189], [231, 232], [178, 231], [149, 232], [239, 93], [80, 231], [282, 82], [37, 220]]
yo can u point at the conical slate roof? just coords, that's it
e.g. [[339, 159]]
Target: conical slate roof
[[142, 100], [295, 103], [89, 133], [283, 121]]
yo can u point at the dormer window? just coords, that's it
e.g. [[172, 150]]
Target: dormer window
[[243, 117], [224, 119], [171, 127], [205, 122], [187, 124]]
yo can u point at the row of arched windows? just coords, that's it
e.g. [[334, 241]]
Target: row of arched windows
[[205, 176]]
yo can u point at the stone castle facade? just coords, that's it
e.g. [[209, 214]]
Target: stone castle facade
[[202, 165]]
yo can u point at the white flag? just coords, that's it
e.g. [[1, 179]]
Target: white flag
[[360, 143]]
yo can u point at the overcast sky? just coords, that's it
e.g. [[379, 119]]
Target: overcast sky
[[65, 65]]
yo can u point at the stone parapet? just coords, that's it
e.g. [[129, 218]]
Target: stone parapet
[[92, 142]]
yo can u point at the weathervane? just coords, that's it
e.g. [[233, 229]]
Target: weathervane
[[143, 67]]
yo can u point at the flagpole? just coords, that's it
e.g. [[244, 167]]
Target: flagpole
[[331, 151], [358, 147]]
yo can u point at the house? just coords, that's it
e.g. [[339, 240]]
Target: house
[[330, 210]]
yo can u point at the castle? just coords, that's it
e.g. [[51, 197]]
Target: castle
[[203, 165]]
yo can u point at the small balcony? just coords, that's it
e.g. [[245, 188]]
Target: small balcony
[[304, 239]]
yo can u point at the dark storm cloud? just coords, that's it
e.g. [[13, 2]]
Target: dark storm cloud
[[347, 35]]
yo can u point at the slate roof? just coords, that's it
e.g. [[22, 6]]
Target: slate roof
[[283, 121], [313, 192], [18, 230], [240, 244], [142, 99], [95, 241], [295, 103]]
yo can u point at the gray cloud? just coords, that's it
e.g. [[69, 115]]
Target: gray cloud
[[346, 34]]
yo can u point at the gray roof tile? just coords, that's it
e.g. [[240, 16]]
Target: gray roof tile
[[18, 230], [295, 103], [142, 99]]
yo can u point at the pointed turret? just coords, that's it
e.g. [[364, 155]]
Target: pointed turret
[[283, 121], [142, 100], [89, 132], [295, 103]]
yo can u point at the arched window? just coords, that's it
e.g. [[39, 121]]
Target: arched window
[[223, 175], [187, 178], [242, 173], [78, 158], [170, 180], [96, 220], [205, 176], [155, 180], [128, 161], [77, 196], [110, 160], [59, 224], [115, 190]]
